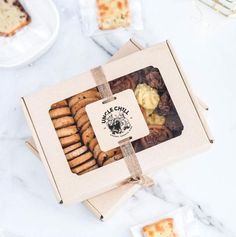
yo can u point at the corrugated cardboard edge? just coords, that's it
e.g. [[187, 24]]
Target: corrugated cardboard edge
[[116, 196], [194, 99]]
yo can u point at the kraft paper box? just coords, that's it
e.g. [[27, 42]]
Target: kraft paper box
[[73, 188], [105, 204]]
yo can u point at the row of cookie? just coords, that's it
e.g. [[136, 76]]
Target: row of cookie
[[79, 157], [77, 105]]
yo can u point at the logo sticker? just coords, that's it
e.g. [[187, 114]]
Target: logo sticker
[[117, 120]]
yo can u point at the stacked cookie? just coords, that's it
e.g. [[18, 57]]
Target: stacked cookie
[[77, 154], [76, 134], [77, 105]]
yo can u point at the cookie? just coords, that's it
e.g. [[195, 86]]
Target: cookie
[[157, 135], [89, 169], [79, 114], [59, 112], [88, 135], [68, 131], [113, 159], [80, 159], [67, 141], [82, 103], [146, 96], [71, 148], [84, 166], [85, 126], [86, 94], [101, 158], [77, 152], [62, 103], [164, 228], [155, 119], [63, 122], [96, 151], [93, 143], [113, 152], [84, 119]]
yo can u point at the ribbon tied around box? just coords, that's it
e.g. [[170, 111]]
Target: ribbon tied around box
[[117, 120]]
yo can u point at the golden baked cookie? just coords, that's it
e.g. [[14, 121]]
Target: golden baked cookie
[[89, 169], [72, 147], [88, 135], [93, 143], [82, 121], [113, 152], [59, 112], [84, 166], [62, 103], [101, 158], [83, 95], [113, 159], [146, 96], [63, 122], [96, 151], [77, 152], [85, 126], [82, 103], [80, 159], [163, 228], [79, 114], [68, 131], [67, 141]]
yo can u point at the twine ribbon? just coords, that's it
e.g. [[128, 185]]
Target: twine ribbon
[[135, 170]]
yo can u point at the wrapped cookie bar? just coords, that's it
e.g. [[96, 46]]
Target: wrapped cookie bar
[[180, 222], [99, 16]]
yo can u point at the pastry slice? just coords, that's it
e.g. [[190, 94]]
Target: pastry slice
[[163, 228], [12, 17], [113, 14]]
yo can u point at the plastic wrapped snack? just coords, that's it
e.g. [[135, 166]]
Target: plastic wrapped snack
[[102, 16], [180, 223]]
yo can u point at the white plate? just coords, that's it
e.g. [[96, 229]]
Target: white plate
[[33, 40]]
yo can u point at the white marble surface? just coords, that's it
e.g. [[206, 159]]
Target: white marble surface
[[205, 44]]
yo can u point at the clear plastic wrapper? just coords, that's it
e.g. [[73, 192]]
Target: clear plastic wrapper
[[104, 16], [179, 223]]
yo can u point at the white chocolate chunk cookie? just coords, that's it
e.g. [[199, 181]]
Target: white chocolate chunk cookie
[[146, 96]]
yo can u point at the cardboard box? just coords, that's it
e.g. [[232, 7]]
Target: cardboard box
[[201, 137]]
